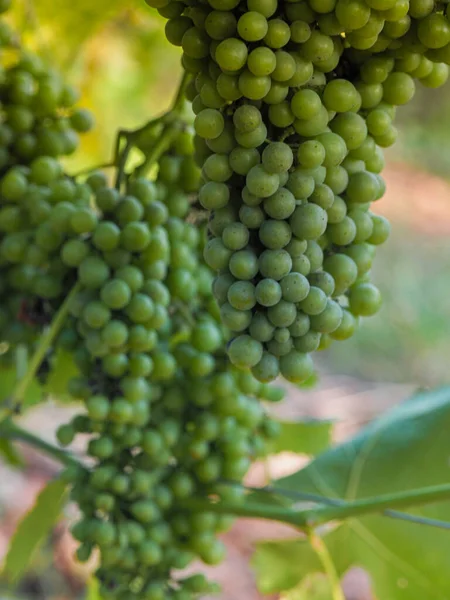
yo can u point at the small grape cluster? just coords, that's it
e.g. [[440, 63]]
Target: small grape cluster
[[38, 114], [39, 123], [294, 103]]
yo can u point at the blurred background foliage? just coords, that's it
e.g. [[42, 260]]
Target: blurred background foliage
[[115, 52]]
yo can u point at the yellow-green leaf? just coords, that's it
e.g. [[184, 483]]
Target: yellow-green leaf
[[33, 529]]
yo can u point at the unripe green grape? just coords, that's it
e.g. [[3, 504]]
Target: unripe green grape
[[233, 319], [275, 264], [308, 221], [381, 230], [364, 299], [282, 314], [268, 292], [214, 195], [296, 367], [278, 34], [247, 118], [243, 264], [281, 115], [241, 159], [305, 104], [261, 61], [398, 88], [252, 26], [252, 139], [220, 25], [347, 327], [318, 47], [209, 123], [300, 31], [277, 157], [231, 54], [343, 270], [235, 236], [280, 205], [252, 86]]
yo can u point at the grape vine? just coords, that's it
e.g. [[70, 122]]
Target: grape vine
[[242, 243]]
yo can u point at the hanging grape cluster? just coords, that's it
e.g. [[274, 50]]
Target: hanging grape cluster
[[295, 102], [169, 419], [39, 124]]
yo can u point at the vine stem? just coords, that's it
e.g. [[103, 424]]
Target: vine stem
[[46, 341], [167, 136], [421, 496], [306, 519], [11, 431], [323, 554]]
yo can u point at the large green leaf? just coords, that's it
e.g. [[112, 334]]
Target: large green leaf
[[311, 436], [407, 448], [33, 529]]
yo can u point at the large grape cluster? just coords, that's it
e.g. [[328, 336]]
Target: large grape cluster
[[295, 102], [169, 418]]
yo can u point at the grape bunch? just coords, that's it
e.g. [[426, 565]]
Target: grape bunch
[[294, 103], [39, 124], [171, 419]]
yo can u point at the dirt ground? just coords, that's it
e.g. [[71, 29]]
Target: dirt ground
[[417, 200]]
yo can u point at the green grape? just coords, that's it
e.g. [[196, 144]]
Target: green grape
[[209, 123], [280, 205], [252, 26], [296, 367], [364, 299], [308, 221], [261, 61], [245, 352], [254, 87], [275, 234], [275, 264], [277, 157]]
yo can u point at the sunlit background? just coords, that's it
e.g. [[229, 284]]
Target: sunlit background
[[115, 52]]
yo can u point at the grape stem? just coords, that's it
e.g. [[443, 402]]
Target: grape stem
[[329, 568], [11, 431], [130, 136], [88, 170], [25, 380]]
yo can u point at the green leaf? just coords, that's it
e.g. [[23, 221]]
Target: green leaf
[[310, 436], [10, 454], [407, 448], [8, 380], [63, 369], [33, 529]]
